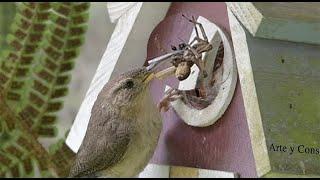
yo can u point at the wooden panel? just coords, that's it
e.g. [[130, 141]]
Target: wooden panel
[[223, 146], [249, 96], [293, 10], [296, 22], [287, 84], [165, 171]]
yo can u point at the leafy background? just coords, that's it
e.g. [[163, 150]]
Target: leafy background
[[45, 45]]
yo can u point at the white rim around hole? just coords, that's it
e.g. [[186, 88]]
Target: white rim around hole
[[209, 115]]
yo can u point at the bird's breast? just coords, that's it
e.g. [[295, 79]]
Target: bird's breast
[[143, 143]]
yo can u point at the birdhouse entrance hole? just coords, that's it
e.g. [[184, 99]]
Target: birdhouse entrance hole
[[203, 95], [205, 101]]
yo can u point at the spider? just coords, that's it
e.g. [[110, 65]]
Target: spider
[[183, 60], [191, 53]]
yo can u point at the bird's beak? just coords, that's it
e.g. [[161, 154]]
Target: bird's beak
[[159, 75], [148, 77]]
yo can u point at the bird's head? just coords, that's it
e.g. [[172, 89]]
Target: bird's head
[[130, 87]]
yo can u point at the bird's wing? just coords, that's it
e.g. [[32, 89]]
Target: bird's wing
[[103, 146]]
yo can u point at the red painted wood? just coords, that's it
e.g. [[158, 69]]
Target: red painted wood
[[224, 145]]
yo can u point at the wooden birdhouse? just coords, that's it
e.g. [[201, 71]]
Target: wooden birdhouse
[[264, 119]]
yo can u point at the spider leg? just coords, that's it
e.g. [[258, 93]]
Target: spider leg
[[194, 52], [174, 94], [195, 27], [171, 95], [201, 28], [194, 21], [199, 100], [203, 47], [194, 39], [202, 31], [201, 67]]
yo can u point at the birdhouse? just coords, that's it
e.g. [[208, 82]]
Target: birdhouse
[[263, 121]]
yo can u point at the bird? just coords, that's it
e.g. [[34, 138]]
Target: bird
[[123, 129]]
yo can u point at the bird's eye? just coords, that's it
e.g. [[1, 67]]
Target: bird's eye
[[128, 84]]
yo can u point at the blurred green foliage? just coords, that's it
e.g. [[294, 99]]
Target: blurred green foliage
[[39, 43]]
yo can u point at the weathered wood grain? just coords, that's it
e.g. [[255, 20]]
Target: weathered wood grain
[[280, 85], [249, 94], [296, 22]]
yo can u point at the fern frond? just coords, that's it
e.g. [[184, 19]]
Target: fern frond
[[44, 41], [23, 139], [11, 55], [62, 156], [7, 13], [16, 157], [30, 21], [41, 70]]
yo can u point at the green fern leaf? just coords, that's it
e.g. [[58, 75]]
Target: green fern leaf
[[35, 67]]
